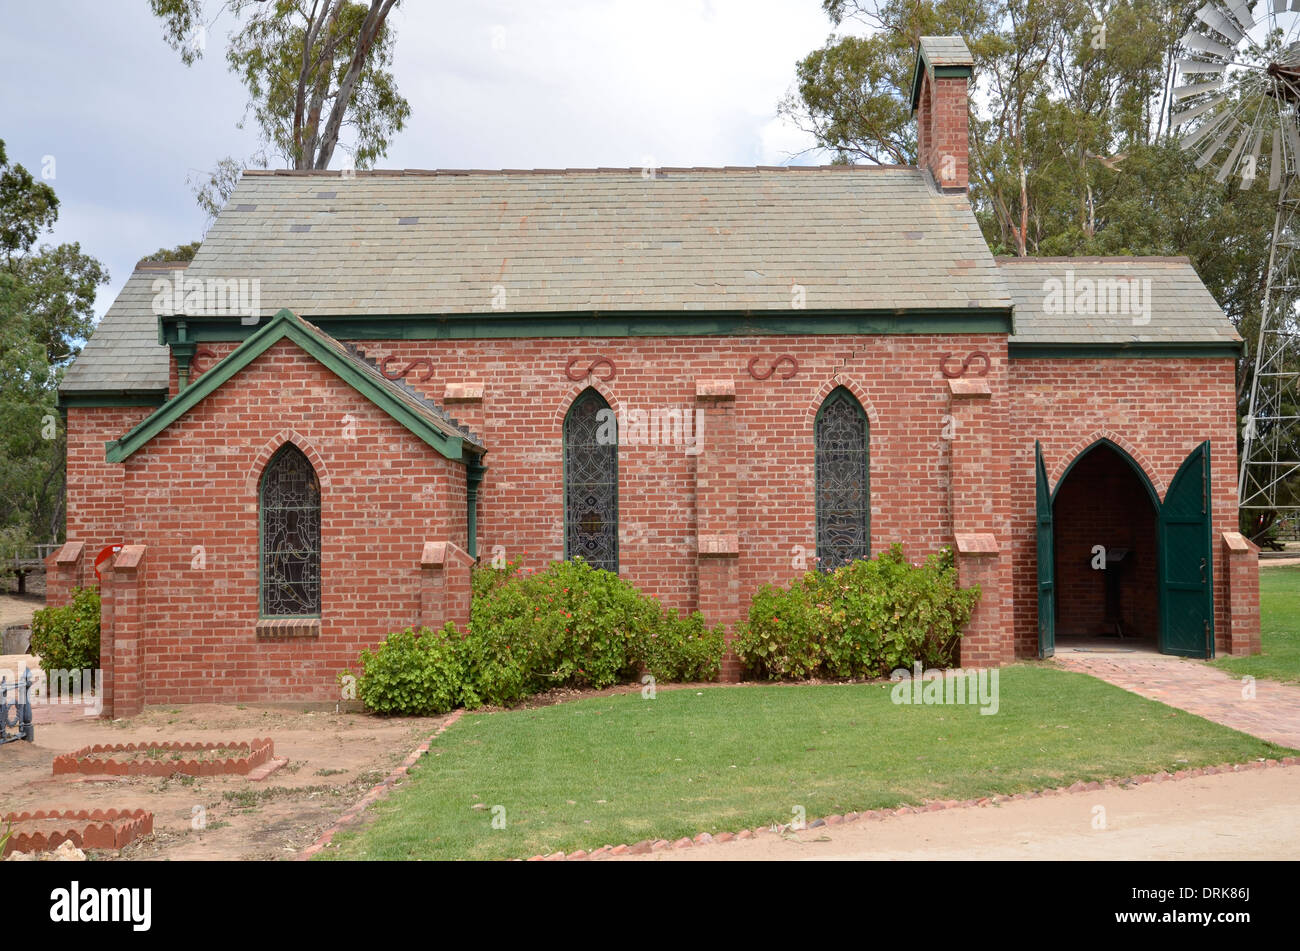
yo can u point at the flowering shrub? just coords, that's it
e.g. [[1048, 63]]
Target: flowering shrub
[[417, 673], [863, 619]]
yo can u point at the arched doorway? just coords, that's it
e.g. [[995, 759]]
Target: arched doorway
[[1114, 561], [1105, 516]]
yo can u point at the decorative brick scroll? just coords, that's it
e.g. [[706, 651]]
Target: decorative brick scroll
[[784, 366], [386, 368], [965, 368], [599, 361]]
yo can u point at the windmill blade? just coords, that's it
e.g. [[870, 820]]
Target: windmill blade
[[1213, 17], [1252, 161], [1275, 166], [1186, 92], [1232, 156], [1189, 66], [1292, 139], [1217, 144], [1203, 130], [1192, 113], [1241, 13], [1194, 41]]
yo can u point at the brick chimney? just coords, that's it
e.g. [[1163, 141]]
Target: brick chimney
[[939, 102]]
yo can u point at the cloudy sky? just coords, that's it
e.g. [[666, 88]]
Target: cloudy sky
[[492, 84]]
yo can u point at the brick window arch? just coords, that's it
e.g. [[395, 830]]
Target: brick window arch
[[289, 536], [843, 490], [591, 482]]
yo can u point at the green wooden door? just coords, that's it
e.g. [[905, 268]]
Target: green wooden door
[[1046, 560], [1186, 562]]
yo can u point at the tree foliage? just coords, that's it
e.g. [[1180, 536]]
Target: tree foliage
[[1072, 151], [47, 296], [312, 68]]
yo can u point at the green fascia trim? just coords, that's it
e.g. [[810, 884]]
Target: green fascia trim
[[1148, 351], [979, 320], [938, 71], [283, 325], [99, 398]]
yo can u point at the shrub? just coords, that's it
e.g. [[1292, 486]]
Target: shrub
[[863, 619], [684, 650], [415, 673], [570, 625], [67, 637]]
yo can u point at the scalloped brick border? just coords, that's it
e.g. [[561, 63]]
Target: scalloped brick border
[[704, 838], [377, 792], [86, 829], [76, 763]]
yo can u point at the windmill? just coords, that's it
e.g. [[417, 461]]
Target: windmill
[[1238, 106]]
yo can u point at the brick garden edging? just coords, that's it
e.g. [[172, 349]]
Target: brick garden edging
[[704, 838], [259, 751], [97, 829], [377, 792]]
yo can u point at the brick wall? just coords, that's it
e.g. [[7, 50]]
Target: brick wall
[[1158, 411], [527, 392], [386, 493], [190, 496]]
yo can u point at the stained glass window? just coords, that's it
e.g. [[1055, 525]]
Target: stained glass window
[[591, 482], [290, 512], [843, 495]]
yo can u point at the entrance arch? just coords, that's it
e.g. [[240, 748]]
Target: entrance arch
[[1106, 549]]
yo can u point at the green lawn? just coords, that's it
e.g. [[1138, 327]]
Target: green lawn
[[1279, 629], [622, 768]]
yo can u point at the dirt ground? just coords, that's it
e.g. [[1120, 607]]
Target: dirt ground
[[1248, 815], [333, 759], [16, 610]]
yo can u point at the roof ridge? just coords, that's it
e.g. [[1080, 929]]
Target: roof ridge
[[1097, 259], [630, 170]]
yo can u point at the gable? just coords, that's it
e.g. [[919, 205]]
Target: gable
[[416, 414]]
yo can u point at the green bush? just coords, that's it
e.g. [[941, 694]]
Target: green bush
[[67, 637], [684, 650], [864, 619], [569, 625], [415, 673]]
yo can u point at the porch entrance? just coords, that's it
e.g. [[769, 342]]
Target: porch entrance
[[1118, 568]]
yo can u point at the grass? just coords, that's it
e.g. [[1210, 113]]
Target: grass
[[1279, 629], [621, 768]]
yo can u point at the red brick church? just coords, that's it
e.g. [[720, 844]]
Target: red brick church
[[364, 382]]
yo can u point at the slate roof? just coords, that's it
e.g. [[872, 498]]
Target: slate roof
[[600, 240], [946, 51], [123, 353], [1179, 310]]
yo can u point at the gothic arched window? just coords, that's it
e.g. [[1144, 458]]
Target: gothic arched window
[[591, 482], [843, 491], [289, 503]]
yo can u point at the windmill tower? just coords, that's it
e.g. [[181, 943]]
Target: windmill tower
[[1239, 99]]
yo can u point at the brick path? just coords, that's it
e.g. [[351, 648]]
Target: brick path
[[1272, 714]]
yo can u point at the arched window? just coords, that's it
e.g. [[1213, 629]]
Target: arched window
[[289, 502], [591, 482], [843, 491]]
